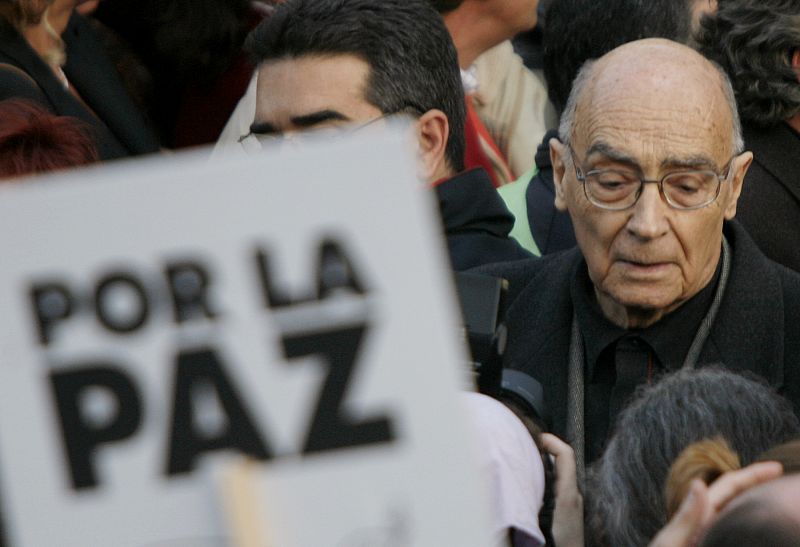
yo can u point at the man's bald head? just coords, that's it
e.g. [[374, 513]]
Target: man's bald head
[[651, 75], [649, 111]]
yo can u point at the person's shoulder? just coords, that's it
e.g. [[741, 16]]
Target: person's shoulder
[[546, 270], [790, 283], [762, 268], [15, 83]]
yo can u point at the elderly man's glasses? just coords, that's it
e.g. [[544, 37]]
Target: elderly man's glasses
[[618, 189]]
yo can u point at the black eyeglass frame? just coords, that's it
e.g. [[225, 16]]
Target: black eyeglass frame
[[581, 177]]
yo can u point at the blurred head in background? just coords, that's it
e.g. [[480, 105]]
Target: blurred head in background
[[33, 140]]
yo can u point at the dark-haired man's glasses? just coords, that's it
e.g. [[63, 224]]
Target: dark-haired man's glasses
[[619, 189], [255, 142]]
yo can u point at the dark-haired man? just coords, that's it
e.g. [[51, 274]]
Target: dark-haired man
[[335, 63]]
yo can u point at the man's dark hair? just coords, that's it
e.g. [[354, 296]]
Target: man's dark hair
[[579, 30], [753, 41], [625, 492], [413, 62]]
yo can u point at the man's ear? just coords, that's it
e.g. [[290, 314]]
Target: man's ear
[[433, 130], [796, 63], [557, 159], [741, 164]]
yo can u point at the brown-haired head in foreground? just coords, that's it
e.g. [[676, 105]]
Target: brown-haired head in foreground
[[705, 460], [708, 459], [32, 140]]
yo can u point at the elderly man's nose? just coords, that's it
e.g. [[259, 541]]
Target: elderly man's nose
[[649, 215]]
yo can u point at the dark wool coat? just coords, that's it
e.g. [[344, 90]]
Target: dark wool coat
[[117, 127], [757, 327], [769, 207]]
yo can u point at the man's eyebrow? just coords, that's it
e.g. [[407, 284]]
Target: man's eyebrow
[[262, 128], [698, 161], [605, 149], [310, 120]]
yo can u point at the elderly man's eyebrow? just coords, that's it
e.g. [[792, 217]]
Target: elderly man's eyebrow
[[698, 161], [314, 118], [608, 151]]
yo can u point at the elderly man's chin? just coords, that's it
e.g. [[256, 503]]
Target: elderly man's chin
[[635, 296]]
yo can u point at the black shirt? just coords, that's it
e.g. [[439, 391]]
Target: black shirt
[[609, 349]]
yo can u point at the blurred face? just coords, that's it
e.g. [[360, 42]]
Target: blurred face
[[520, 15], [699, 8], [86, 7], [647, 260], [312, 93], [324, 95], [32, 10]]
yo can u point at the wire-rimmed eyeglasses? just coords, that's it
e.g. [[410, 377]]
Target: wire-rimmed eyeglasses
[[619, 189]]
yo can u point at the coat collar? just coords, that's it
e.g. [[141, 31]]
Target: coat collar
[[748, 334], [777, 151]]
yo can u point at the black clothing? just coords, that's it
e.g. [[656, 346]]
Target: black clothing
[[476, 221], [95, 77], [116, 127], [660, 348], [756, 327], [769, 207], [551, 229]]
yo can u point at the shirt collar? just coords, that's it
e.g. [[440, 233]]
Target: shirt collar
[[469, 80], [670, 338]]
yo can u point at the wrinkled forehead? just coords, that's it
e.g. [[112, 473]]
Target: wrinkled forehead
[[655, 105]]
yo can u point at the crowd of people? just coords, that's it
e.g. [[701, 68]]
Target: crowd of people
[[632, 173]]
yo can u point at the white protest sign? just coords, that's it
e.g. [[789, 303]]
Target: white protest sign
[[163, 318]]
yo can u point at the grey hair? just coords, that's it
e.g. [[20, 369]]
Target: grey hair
[[585, 74], [625, 487], [753, 41], [567, 123]]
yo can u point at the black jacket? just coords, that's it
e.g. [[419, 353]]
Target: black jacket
[[117, 127], [769, 207], [756, 329], [476, 221]]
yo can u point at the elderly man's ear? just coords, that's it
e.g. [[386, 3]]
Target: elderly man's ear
[[739, 168], [557, 158], [433, 130]]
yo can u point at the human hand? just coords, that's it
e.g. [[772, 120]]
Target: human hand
[[568, 512], [703, 503]]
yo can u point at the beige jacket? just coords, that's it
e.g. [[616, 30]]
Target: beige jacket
[[512, 103]]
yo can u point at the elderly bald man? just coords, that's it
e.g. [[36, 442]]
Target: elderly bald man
[[649, 168]]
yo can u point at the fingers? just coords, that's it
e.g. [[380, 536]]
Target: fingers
[[688, 521], [565, 457], [568, 512], [566, 475], [731, 484]]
